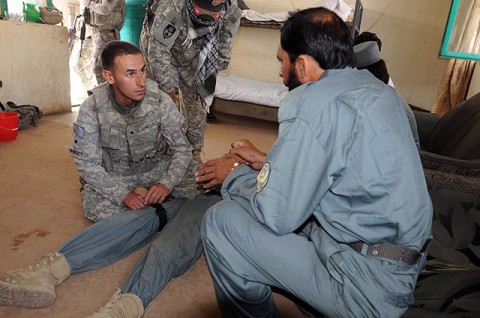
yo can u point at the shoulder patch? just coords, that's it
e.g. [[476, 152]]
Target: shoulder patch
[[166, 33], [78, 130], [262, 177]]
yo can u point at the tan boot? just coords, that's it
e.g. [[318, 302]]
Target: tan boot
[[121, 306], [34, 287]]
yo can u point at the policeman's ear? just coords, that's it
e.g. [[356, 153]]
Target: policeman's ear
[[108, 76], [307, 69]]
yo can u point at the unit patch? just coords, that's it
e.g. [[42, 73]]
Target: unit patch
[[166, 33], [262, 177], [78, 130]]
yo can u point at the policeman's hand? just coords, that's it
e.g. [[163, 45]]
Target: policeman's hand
[[134, 201], [248, 152], [157, 193], [173, 96], [215, 171]]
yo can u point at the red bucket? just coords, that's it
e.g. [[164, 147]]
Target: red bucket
[[8, 126]]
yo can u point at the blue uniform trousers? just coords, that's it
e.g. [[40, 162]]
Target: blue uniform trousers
[[246, 258], [173, 251]]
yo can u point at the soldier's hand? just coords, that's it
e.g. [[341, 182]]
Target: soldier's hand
[[157, 193], [86, 3], [134, 201], [215, 171]]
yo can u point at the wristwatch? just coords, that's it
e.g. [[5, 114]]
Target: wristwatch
[[235, 165]]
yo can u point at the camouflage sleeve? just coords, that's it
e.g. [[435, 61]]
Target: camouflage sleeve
[[228, 30], [158, 55], [174, 128], [105, 7], [87, 154]]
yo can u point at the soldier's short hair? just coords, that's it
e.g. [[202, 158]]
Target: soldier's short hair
[[114, 49]]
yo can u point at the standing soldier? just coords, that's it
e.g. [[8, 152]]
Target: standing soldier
[[186, 43], [81, 51], [106, 20]]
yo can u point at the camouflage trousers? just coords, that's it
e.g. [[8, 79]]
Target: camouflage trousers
[[81, 60], [97, 207], [100, 39], [194, 110]]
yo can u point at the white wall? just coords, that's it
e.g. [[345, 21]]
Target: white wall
[[411, 32], [34, 65]]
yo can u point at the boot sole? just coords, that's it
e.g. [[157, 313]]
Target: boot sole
[[17, 295]]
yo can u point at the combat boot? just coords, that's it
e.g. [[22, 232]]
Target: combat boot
[[34, 287], [121, 306]]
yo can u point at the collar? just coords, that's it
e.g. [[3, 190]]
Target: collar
[[120, 108]]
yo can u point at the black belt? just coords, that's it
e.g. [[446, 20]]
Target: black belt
[[388, 250]]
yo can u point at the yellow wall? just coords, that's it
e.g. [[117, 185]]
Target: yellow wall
[[411, 32], [34, 65]]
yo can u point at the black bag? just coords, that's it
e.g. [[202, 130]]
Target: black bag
[[29, 114]]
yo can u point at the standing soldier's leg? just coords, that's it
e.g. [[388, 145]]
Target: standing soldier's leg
[[84, 63], [100, 39], [195, 112]]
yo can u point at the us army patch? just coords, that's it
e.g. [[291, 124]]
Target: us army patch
[[166, 33], [262, 177], [78, 130]]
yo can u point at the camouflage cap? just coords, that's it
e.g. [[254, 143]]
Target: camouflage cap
[[210, 5]]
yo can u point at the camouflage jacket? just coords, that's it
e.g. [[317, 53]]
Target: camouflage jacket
[[165, 44], [107, 14], [108, 145]]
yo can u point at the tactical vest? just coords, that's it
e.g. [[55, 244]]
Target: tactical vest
[[112, 21], [131, 142]]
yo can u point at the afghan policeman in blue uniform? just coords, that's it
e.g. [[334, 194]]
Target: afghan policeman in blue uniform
[[339, 214]]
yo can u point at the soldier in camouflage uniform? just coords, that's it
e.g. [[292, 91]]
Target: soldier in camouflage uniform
[[81, 53], [106, 20], [186, 42], [82, 62], [158, 154], [120, 145]]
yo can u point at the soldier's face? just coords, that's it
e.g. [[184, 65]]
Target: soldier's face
[[204, 13], [128, 79]]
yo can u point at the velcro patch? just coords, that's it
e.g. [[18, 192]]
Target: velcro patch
[[262, 177], [166, 33], [79, 130]]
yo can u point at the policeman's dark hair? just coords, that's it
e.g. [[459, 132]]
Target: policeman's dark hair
[[321, 34], [114, 49]]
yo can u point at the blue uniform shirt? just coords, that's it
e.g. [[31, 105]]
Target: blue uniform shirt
[[345, 154]]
